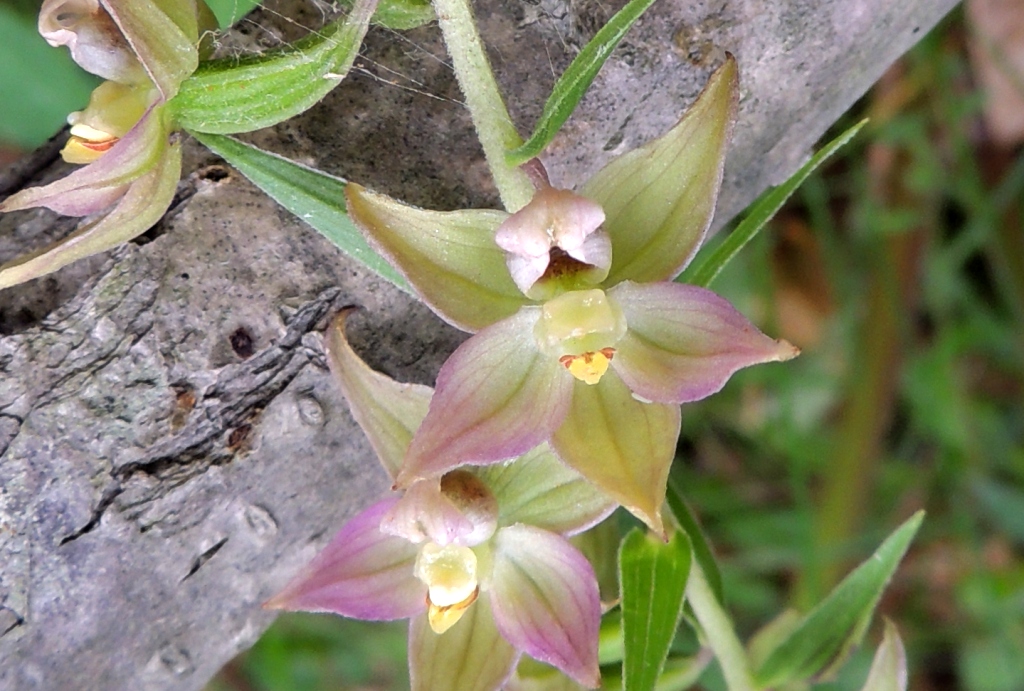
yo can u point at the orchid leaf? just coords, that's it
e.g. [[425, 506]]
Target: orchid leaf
[[659, 198], [402, 15], [575, 81], [710, 262], [244, 94], [701, 547], [389, 412], [841, 618], [889, 668], [230, 11], [653, 577], [315, 197], [450, 257]]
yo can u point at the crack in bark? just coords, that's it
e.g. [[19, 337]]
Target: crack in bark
[[235, 400]]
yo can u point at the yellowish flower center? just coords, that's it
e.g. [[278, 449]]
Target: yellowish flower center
[[113, 110], [443, 618], [580, 328], [588, 367], [450, 573]]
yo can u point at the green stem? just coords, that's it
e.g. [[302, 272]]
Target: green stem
[[719, 631], [490, 117]]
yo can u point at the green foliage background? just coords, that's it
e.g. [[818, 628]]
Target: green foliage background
[[900, 271]]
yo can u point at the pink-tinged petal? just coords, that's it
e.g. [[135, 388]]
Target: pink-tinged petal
[[94, 187], [660, 198], [545, 600], [622, 445], [388, 411], [140, 208], [362, 573], [497, 397], [889, 667], [683, 342], [424, 514], [95, 41], [449, 257], [163, 36], [470, 656], [538, 489]]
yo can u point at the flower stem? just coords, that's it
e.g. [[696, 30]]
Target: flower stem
[[490, 117], [719, 631]]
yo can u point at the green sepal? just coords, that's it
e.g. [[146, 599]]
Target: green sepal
[[244, 94], [659, 198], [449, 257], [838, 623], [710, 262], [653, 576], [315, 197], [575, 81]]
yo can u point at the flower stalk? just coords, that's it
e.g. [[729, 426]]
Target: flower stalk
[[718, 631], [493, 125]]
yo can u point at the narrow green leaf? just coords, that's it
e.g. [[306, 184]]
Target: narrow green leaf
[[653, 578], [230, 11], [701, 548], [575, 81], [315, 197], [843, 615], [709, 263], [245, 94], [401, 14]]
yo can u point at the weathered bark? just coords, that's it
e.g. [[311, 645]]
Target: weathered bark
[[173, 448]]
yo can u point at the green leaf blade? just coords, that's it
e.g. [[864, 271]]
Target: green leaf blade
[[841, 618], [241, 95], [313, 196], [575, 81], [653, 578], [701, 547], [709, 264]]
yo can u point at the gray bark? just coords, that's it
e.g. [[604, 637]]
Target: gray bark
[[172, 448]]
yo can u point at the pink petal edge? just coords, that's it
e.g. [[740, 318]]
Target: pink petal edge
[[497, 397], [545, 600], [362, 573], [683, 342]]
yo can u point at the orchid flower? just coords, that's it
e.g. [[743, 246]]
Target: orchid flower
[[582, 340], [144, 49], [477, 559]]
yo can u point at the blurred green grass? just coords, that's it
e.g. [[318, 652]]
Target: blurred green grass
[[900, 271]]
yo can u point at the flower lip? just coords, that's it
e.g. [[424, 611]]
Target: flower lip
[[555, 242]]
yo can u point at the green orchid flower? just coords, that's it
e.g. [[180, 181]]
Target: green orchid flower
[[145, 49], [583, 340]]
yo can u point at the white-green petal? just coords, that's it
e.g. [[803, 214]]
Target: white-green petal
[[538, 489]]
